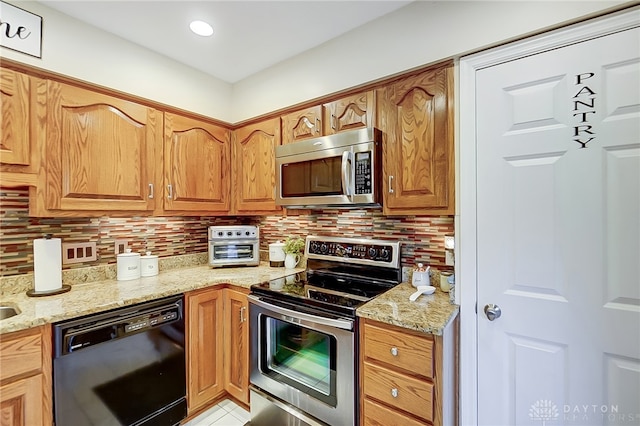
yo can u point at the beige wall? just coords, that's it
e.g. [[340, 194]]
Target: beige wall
[[420, 33], [73, 48]]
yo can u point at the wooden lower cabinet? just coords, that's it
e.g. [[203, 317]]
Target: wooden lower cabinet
[[204, 344], [407, 377], [217, 346], [25, 377], [236, 345]]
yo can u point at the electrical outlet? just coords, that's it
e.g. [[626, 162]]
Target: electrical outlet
[[120, 246], [78, 252], [449, 258]]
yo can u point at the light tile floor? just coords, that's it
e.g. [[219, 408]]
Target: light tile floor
[[226, 413]]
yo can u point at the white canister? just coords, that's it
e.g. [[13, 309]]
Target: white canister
[[276, 254], [128, 265], [148, 265]]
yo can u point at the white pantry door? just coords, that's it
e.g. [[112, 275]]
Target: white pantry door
[[558, 235]]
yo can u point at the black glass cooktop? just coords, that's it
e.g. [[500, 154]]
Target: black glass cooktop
[[333, 288]]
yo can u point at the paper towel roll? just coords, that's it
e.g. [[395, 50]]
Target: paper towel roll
[[47, 264]]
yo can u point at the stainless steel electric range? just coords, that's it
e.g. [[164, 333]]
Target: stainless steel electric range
[[304, 331]]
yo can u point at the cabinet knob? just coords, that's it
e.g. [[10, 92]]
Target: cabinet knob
[[394, 392], [150, 190], [170, 189], [394, 351], [242, 317], [390, 184]]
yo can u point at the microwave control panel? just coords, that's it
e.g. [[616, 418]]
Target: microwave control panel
[[363, 172]]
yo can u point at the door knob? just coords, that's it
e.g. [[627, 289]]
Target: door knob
[[492, 311]]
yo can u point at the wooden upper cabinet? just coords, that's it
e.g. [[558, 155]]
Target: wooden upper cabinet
[[14, 95], [19, 154], [416, 118], [102, 151], [301, 125], [197, 161], [351, 112], [254, 167]]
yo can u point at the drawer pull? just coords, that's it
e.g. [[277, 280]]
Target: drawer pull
[[394, 351], [394, 392]]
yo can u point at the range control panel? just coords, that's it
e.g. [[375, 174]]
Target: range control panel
[[354, 250]]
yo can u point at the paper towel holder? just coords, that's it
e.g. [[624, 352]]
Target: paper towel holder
[[63, 289]]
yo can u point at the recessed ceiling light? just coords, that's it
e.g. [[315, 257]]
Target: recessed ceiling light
[[201, 28]]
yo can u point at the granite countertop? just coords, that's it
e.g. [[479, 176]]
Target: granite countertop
[[428, 314], [103, 295]]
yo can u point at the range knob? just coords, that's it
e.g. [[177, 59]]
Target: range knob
[[385, 253], [323, 248], [229, 234], [313, 247], [220, 233], [373, 252], [247, 233]]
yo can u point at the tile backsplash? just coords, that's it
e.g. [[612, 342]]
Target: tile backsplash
[[422, 237]]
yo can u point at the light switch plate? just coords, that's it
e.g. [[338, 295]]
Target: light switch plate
[[449, 258], [78, 252]]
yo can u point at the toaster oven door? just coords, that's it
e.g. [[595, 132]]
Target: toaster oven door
[[230, 253]]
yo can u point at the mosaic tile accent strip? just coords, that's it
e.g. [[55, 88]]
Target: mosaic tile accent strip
[[422, 237]]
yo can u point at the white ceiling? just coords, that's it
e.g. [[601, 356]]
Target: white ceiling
[[249, 36]]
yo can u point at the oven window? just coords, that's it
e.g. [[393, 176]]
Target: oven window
[[233, 251], [313, 177], [301, 357]]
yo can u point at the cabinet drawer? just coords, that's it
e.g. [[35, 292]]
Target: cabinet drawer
[[411, 395], [399, 350], [374, 414], [20, 353]]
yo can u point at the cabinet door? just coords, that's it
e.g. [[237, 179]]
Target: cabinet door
[[101, 151], [204, 347], [236, 338], [302, 125], [351, 112], [254, 167], [14, 95], [21, 402], [197, 158], [418, 153]]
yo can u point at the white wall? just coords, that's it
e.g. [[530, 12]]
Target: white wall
[[73, 48], [420, 33]]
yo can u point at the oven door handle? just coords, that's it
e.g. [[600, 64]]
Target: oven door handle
[[338, 323]]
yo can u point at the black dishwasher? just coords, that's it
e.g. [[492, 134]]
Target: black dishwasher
[[122, 367]]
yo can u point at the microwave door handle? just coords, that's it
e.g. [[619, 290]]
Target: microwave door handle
[[346, 173]]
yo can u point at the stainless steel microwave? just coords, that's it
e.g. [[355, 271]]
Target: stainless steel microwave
[[341, 170]]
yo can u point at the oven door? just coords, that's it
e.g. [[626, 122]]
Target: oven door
[[305, 360]]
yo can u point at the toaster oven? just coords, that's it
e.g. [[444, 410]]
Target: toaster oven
[[235, 245]]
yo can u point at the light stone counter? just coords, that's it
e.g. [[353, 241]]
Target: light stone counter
[[428, 314], [97, 296]]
